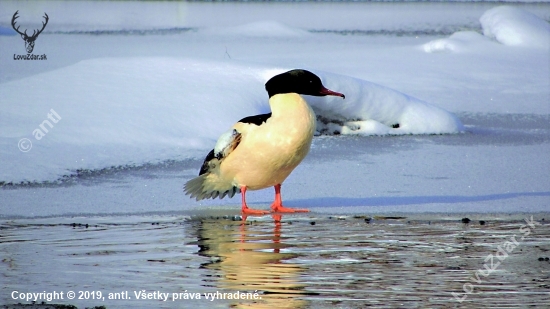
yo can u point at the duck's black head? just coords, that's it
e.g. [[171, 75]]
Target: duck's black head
[[298, 81]]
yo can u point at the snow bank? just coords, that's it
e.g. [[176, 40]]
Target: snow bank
[[109, 112], [371, 109], [515, 27], [508, 25]]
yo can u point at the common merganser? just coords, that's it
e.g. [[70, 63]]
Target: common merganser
[[261, 151]]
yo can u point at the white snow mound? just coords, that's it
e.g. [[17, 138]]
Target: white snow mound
[[515, 27], [458, 42], [371, 109]]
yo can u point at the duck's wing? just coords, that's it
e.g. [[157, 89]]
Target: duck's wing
[[210, 184], [226, 143]]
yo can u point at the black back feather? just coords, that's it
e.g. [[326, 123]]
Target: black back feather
[[257, 119]]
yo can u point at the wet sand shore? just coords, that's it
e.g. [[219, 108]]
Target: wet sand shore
[[213, 260]]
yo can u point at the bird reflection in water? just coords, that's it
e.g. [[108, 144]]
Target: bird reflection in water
[[250, 256]]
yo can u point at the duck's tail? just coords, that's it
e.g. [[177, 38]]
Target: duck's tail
[[209, 185]]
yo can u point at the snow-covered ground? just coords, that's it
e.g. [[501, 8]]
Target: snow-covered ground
[[447, 105]]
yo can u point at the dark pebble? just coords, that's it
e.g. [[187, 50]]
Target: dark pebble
[[367, 220], [541, 259], [312, 223], [481, 222], [466, 220]]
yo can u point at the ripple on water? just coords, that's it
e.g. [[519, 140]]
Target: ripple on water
[[292, 264]]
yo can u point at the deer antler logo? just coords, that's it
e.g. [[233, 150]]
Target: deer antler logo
[[29, 40]]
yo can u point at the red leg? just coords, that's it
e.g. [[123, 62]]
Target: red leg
[[247, 211], [277, 205]]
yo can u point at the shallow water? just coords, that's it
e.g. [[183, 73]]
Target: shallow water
[[301, 261]]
